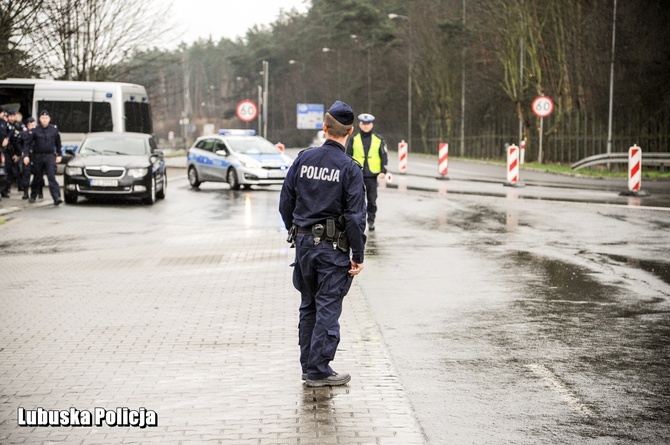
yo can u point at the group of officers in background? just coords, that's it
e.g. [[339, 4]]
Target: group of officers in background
[[29, 148]]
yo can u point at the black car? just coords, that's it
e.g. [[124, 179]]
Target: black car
[[116, 164]]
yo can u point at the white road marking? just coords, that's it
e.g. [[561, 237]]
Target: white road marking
[[555, 383]]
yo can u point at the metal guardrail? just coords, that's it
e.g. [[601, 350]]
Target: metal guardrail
[[658, 159]]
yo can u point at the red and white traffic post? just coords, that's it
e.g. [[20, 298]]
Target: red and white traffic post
[[443, 160], [281, 147], [402, 156], [513, 167]]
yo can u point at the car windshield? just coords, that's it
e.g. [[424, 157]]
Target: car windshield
[[113, 146], [252, 145]]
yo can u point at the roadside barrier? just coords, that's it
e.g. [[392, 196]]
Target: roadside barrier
[[402, 156], [513, 167], [634, 168], [634, 173], [443, 160]]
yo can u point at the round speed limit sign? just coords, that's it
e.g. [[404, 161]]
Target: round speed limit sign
[[247, 110], [543, 106]]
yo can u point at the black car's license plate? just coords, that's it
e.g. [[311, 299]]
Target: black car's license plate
[[104, 183]]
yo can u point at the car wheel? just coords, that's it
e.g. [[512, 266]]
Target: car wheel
[[70, 198], [163, 190], [151, 199], [193, 178], [232, 179]]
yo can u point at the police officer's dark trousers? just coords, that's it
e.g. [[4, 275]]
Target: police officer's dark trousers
[[25, 175], [371, 196], [321, 274], [12, 171], [44, 163]]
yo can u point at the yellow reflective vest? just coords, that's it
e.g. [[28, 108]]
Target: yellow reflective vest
[[374, 159]]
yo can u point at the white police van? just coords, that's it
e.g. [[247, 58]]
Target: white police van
[[79, 108], [238, 157]]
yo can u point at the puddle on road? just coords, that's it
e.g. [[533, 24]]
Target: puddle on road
[[572, 290], [657, 268], [561, 281]]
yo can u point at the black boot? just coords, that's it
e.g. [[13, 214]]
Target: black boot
[[25, 195]]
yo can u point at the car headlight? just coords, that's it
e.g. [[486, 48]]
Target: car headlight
[[74, 171], [250, 163], [137, 172]]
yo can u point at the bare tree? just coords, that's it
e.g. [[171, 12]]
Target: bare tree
[[84, 39], [18, 19]]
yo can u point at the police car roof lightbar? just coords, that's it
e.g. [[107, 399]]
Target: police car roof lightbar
[[236, 132]]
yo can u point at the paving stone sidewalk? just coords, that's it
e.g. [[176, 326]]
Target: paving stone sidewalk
[[200, 328]]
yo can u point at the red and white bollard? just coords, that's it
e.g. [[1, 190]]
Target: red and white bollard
[[513, 167], [281, 147], [402, 156], [634, 168], [634, 173], [523, 152], [443, 160]]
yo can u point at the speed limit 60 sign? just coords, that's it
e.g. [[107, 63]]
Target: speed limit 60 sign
[[543, 106], [247, 110]]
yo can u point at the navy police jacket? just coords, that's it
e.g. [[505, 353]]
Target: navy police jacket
[[43, 140], [324, 183]]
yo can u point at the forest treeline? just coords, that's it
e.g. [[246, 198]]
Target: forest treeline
[[500, 53]]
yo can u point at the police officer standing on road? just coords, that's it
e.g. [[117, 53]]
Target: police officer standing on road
[[25, 157], [322, 204], [12, 153], [369, 150], [46, 151]]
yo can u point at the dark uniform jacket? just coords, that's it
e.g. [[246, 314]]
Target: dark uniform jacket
[[43, 140], [324, 183], [14, 146]]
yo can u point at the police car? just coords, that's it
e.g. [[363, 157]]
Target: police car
[[238, 157]]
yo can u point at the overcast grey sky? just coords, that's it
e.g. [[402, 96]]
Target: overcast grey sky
[[226, 18]]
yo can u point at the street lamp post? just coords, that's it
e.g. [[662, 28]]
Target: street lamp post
[[265, 101], [409, 77], [302, 79], [329, 50], [369, 74]]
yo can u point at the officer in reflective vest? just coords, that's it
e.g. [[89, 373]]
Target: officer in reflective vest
[[322, 202], [369, 150]]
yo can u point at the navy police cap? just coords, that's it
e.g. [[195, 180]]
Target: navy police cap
[[30, 119], [342, 112], [44, 113], [11, 112]]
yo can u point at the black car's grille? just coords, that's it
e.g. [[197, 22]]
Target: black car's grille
[[105, 172]]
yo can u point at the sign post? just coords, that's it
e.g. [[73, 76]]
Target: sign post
[[542, 106]]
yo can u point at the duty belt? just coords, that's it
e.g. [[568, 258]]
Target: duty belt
[[327, 232], [304, 229]]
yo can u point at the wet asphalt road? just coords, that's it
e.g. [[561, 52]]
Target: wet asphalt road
[[509, 320], [523, 321]]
